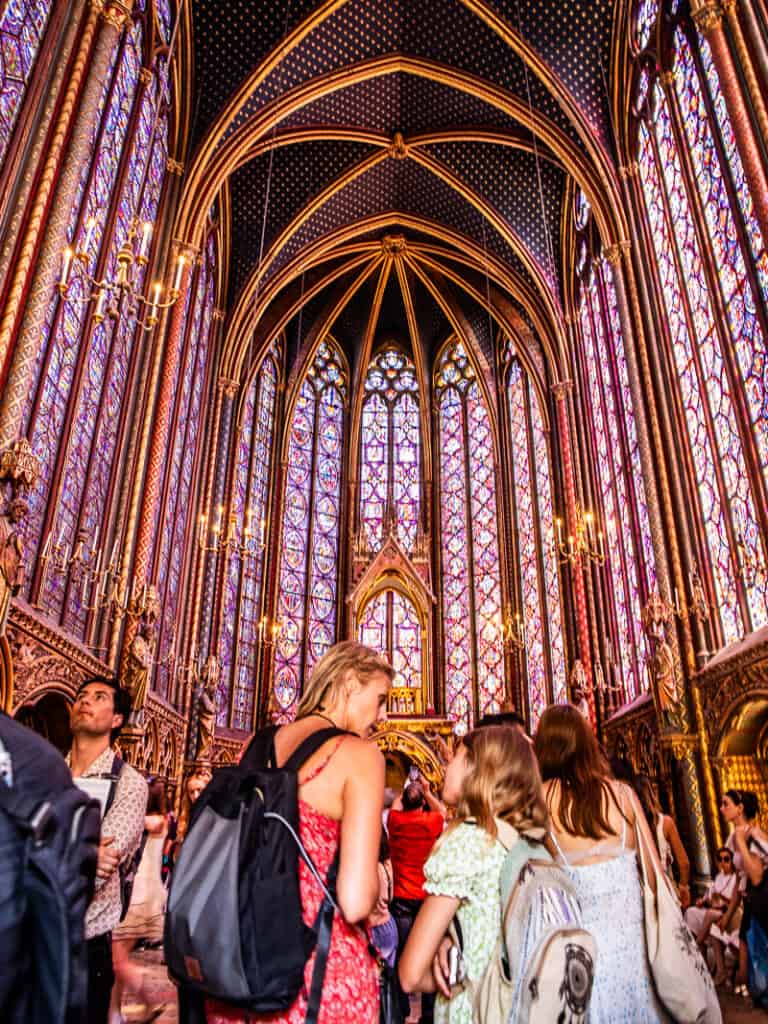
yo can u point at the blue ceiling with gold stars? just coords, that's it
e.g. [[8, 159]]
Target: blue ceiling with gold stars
[[330, 84]]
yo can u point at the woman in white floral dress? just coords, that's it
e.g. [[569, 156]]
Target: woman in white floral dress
[[492, 775]]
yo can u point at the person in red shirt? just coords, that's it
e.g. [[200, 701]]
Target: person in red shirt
[[415, 821]]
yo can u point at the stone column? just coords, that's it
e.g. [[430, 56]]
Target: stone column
[[45, 236], [561, 392], [156, 457], [708, 16]]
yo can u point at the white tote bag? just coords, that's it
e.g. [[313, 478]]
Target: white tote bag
[[680, 975]]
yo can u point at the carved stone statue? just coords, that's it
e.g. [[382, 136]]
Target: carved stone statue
[[662, 668], [139, 666], [12, 567], [206, 708]]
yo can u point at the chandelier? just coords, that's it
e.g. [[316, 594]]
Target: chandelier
[[513, 632], [585, 543], [211, 538], [119, 293]]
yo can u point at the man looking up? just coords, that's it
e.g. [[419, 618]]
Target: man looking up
[[415, 821], [100, 710]]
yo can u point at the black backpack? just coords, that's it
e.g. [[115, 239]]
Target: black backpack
[[48, 852], [233, 926]]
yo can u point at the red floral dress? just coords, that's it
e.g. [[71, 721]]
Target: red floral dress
[[351, 986]]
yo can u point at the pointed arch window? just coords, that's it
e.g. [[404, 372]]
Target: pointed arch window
[[624, 507], [471, 583], [173, 539], [390, 624], [308, 584], [390, 445], [22, 27], [710, 256], [537, 561], [249, 514]]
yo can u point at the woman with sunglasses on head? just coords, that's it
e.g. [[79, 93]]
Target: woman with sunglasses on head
[[749, 845], [713, 920]]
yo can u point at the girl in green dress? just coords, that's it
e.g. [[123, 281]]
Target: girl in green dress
[[493, 775]]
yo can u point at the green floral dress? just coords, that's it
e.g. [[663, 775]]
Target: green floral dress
[[467, 866]]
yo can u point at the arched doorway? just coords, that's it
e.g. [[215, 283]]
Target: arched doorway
[[49, 716], [743, 748]]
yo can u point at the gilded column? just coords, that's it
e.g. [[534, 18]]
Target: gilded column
[[746, 64], [668, 506], [158, 442], [708, 16], [561, 392], [680, 719], [45, 236]]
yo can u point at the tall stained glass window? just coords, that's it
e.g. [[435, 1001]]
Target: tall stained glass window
[[710, 255], [622, 494], [83, 367], [390, 623], [390, 477], [308, 583], [248, 525], [538, 571], [173, 538], [22, 26], [471, 584]]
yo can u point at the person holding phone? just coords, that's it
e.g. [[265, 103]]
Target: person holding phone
[[416, 820]]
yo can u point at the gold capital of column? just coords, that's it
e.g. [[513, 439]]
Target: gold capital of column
[[116, 12], [613, 252], [145, 76], [227, 386], [174, 166], [708, 16], [561, 389], [181, 248]]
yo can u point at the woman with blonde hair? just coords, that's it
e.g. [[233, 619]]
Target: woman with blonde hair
[[341, 796], [493, 776], [592, 823]]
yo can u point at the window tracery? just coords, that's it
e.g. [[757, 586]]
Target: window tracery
[[390, 477], [308, 584], [537, 561], [243, 587], [390, 624], [709, 251], [471, 583]]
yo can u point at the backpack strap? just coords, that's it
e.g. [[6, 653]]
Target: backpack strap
[[323, 928], [309, 746], [117, 767], [260, 752]]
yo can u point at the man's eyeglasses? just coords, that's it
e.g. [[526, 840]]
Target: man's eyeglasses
[[725, 860]]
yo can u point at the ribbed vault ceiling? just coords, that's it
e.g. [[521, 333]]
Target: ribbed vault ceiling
[[451, 124]]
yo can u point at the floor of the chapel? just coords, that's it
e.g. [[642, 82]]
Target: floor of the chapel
[[735, 1009]]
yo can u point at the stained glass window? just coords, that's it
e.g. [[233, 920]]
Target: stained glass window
[[62, 381], [22, 26], [471, 584], [184, 436], [645, 21], [390, 446], [308, 581], [538, 571], [164, 18], [241, 619], [706, 387], [390, 623], [623, 495]]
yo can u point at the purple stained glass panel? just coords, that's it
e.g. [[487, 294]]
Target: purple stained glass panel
[[22, 27], [525, 522], [541, 469], [48, 409]]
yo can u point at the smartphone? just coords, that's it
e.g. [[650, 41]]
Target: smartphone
[[454, 955], [413, 773]]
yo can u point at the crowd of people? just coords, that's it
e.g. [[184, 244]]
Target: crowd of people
[[538, 860]]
